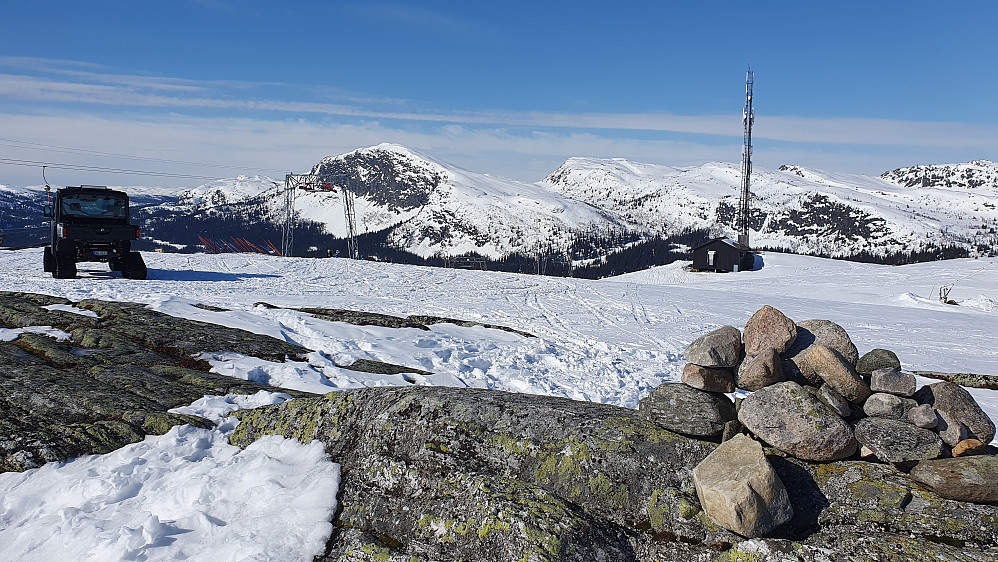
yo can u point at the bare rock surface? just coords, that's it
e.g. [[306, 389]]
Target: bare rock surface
[[923, 416], [718, 348], [883, 405], [793, 420], [739, 490]]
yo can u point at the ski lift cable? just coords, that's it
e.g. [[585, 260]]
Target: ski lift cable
[[103, 169], [71, 150]]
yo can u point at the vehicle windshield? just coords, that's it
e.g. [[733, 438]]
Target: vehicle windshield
[[95, 206]]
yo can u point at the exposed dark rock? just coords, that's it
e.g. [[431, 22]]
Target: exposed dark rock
[[896, 441], [950, 429], [923, 416], [719, 348], [688, 410], [112, 382], [877, 359], [969, 380], [971, 479], [793, 420], [960, 405], [835, 401]]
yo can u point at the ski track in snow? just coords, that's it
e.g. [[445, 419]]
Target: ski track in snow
[[608, 341]]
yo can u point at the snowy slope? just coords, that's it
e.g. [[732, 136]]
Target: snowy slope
[[609, 341], [797, 208]]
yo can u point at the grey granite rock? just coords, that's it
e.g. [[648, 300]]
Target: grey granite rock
[[739, 490], [687, 410], [711, 379], [892, 381], [718, 348], [969, 479], [834, 370], [788, 417], [896, 441], [960, 405], [769, 329], [877, 359], [759, 371]]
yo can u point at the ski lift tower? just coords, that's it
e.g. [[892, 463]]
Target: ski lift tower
[[748, 117], [310, 182]]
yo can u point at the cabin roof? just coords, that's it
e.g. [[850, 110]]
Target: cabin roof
[[728, 241]]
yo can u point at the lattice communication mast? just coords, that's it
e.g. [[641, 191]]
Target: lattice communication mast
[[748, 117]]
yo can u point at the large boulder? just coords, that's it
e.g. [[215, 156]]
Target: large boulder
[[896, 441], [688, 410], [971, 479], [739, 490], [768, 329], [829, 365], [790, 418], [718, 348], [759, 371], [961, 407], [711, 379]]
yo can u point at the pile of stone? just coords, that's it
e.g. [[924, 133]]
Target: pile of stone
[[815, 398]]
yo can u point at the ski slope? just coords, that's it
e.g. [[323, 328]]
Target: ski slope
[[610, 341]]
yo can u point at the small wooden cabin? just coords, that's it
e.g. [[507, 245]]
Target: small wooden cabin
[[723, 255]]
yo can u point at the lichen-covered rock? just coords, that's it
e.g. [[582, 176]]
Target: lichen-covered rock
[[759, 371], [718, 348], [896, 441], [739, 490], [687, 410], [769, 329], [793, 420], [876, 359], [470, 474], [960, 405], [892, 381], [969, 479], [835, 371], [711, 379]]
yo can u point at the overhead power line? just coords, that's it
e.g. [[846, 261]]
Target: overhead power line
[[103, 169], [72, 150]]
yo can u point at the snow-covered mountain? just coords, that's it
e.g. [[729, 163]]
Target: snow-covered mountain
[[432, 208], [410, 201], [800, 209]]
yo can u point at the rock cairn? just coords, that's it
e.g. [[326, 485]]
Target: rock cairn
[[815, 398]]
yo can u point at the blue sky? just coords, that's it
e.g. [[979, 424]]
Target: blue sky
[[510, 88]]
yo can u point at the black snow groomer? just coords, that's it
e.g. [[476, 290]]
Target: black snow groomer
[[90, 223]]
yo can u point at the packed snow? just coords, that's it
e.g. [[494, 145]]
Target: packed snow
[[609, 341]]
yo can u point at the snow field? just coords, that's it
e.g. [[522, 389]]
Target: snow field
[[185, 495]]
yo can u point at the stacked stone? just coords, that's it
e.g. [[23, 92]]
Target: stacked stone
[[815, 398]]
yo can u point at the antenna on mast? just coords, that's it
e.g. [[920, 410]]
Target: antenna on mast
[[748, 117]]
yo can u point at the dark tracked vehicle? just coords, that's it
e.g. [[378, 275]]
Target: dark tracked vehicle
[[90, 223]]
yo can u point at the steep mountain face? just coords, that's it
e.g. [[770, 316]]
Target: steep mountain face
[[799, 209]]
